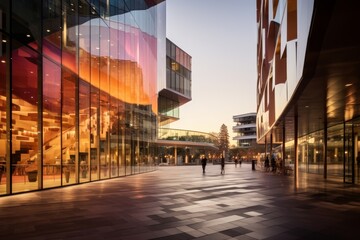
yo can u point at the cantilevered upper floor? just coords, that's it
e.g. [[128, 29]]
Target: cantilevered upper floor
[[177, 89]]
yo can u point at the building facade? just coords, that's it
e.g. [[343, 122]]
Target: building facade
[[78, 90], [176, 91], [308, 85], [178, 146], [245, 130]]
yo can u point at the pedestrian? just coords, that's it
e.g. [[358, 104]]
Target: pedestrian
[[222, 165], [273, 164], [267, 164], [203, 163]]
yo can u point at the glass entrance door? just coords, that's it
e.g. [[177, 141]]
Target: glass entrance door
[[356, 126], [349, 153]]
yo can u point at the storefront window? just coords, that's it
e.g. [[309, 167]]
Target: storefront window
[[335, 151], [4, 158], [356, 124], [95, 98], [310, 148], [25, 156], [84, 131], [51, 123], [68, 120], [104, 101]]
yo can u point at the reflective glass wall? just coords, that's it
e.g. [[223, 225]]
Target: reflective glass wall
[[78, 91], [310, 150], [178, 69]]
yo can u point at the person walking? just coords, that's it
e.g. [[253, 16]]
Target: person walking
[[222, 165], [273, 164], [267, 164], [203, 163]]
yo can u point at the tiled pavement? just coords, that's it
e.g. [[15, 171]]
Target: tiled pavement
[[182, 203]]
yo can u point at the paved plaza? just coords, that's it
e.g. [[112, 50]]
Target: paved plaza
[[182, 203]]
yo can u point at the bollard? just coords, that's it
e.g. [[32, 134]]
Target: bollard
[[253, 162]]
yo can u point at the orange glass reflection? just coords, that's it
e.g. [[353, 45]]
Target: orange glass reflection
[[135, 74]]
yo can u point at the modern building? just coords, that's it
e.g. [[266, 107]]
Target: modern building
[[78, 90], [245, 130], [308, 85], [176, 91], [178, 146]]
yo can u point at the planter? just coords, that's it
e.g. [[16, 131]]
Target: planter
[[32, 176]]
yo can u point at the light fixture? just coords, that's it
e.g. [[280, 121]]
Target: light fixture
[[28, 35], [348, 84]]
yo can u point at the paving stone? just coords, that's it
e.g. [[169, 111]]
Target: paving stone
[[182, 203]]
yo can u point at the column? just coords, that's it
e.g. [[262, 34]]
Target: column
[[175, 155]]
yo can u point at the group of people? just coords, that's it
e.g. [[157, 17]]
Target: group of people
[[204, 162], [236, 162], [272, 163]]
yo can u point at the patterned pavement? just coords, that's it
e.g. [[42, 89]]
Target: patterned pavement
[[182, 203]]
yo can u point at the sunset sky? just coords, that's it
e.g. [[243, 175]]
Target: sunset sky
[[221, 38]]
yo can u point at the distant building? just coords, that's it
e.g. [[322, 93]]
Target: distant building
[[245, 130]]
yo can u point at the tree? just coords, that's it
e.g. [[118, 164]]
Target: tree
[[223, 140]]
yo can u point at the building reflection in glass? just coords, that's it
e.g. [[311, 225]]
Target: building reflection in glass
[[83, 103]]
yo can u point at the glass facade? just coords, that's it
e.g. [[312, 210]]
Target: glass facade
[[178, 69], [78, 91], [176, 89], [305, 105]]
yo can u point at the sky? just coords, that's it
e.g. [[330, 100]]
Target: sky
[[221, 38]]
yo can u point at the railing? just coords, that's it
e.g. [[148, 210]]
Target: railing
[[185, 135]]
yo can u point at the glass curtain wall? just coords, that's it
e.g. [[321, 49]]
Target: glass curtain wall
[[357, 150], [342, 152], [5, 119], [69, 136], [104, 100], [51, 101], [310, 149], [349, 152], [84, 91], [178, 69], [82, 105], [335, 151], [114, 93]]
